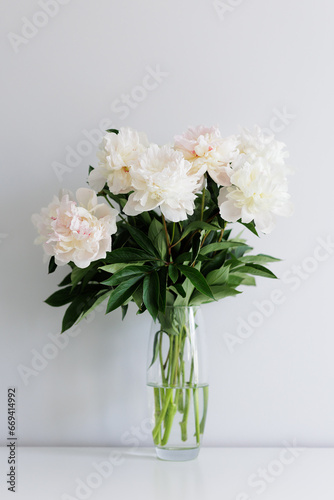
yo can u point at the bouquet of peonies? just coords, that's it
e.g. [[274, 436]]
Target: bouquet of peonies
[[152, 228]]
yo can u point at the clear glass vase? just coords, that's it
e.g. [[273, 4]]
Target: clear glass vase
[[177, 380]]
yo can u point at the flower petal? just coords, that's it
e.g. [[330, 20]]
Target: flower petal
[[97, 179], [228, 210]]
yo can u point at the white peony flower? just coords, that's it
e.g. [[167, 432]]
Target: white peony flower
[[259, 192], [161, 179], [76, 232], [204, 147], [257, 144], [117, 154]]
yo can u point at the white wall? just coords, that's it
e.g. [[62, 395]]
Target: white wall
[[245, 66]]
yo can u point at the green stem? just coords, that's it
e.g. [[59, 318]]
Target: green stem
[[175, 357], [112, 206], [184, 423], [171, 407], [181, 371], [170, 359], [171, 410], [157, 413], [196, 408], [177, 392], [162, 367], [220, 236], [173, 234], [166, 402], [212, 217], [205, 408], [191, 371], [222, 233]]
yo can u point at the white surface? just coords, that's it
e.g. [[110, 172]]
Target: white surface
[[245, 68], [218, 473]]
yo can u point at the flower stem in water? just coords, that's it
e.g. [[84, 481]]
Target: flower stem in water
[[205, 408], [196, 408], [184, 423], [171, 410], [157, 439], [156, 429]]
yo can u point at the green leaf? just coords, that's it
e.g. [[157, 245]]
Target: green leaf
[[119, 198], [240, 251], [219, 276], [250, 226], [52, 265], [247, 280], [123, 291], [62, 297], [143, 241], [151, 291], [97, 302], [194, 226], [188, 288], [145, 218], [196, 245], [155, 347], [219, 292], [127, 273], [77, 275], [138, 296], [124, 311], [66, 281], [179, 290], [221, 245], [163, 288], [233, 261], [213, 263], [113, 131], [197, 279], [227, 232], [177, 236], [120, 239], [90, 169], [170, 299], [256, 270], [126, 255], [261, 258], [80, 304], [183, 257], [173, 273], [114, 268], [157, 235], [235, 280]]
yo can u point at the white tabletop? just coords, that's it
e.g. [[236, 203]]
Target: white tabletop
[[124, 473]]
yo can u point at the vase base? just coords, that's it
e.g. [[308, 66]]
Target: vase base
[[177, 454]]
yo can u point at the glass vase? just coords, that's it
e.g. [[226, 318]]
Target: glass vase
[[177, 381]]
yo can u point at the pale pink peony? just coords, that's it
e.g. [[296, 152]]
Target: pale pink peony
[[78, 232], [205, 148]]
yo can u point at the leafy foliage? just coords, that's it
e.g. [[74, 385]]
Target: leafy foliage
[[155, 263], [52, 265]]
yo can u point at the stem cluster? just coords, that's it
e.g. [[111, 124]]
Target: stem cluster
[[178, 391]]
